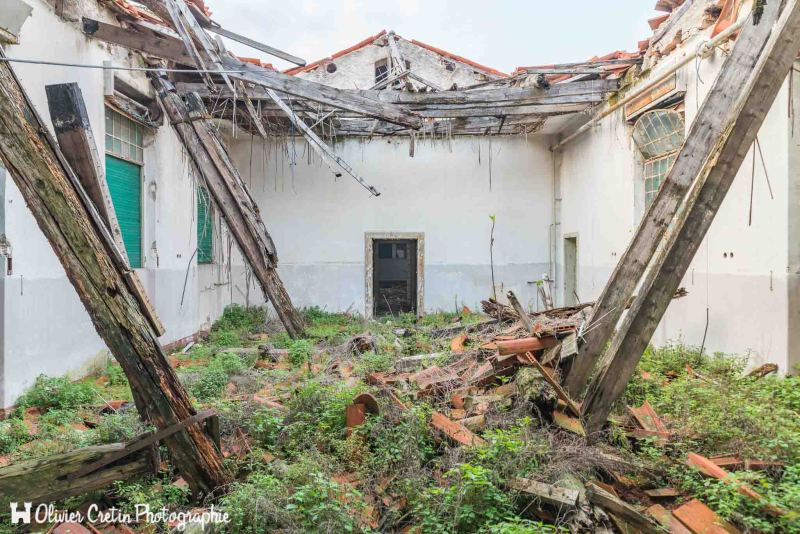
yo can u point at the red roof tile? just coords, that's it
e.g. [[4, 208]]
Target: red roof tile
[[655, 22], [460, 59]]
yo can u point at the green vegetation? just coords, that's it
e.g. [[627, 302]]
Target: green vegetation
[[712, 409], [298, 468]]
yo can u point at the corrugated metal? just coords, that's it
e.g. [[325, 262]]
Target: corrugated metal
[[205, 228], [125, 185]]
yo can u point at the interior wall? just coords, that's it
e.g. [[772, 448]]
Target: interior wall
[[447, 191], [47, 330], [738, 277]]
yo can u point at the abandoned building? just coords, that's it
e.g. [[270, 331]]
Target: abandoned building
[[507, 195]]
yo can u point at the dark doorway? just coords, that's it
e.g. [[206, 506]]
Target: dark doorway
[[394, 276]]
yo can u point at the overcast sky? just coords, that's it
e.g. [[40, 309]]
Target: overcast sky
[[503, 34]]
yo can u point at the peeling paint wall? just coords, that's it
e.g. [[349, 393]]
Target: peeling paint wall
[[45, 328]]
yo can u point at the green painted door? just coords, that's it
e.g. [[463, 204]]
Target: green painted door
[[125, 185]]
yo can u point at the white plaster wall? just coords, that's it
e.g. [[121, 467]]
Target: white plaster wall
[[746, 295], [318, 222], [356, 70], [46, 328]]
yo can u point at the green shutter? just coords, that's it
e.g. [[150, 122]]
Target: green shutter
[[205, 227], [125, 185]]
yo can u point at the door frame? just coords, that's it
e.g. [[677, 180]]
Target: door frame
[[369, 268], [574, 237]]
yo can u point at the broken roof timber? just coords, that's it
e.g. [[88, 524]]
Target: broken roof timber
[[324, 94], [588, 92]]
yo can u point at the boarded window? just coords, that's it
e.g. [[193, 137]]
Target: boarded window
[[205, 227], [658, 135], [124, 156]]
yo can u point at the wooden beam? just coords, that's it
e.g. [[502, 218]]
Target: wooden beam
[[47, 479], [54, 197], [568, 93], [523, 315], [766, 73], [621, 509], [77, 143], [328, 155], [140, 39], [720, 110], [324, 94], [219, 30], [231, 196]]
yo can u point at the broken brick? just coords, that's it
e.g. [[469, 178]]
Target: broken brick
[[455, 431], [700, 519]]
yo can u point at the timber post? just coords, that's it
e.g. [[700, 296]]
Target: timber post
[[766, 73], [57, 201], [189, 118]]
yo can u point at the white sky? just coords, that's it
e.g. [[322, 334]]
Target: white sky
[[503, 34]]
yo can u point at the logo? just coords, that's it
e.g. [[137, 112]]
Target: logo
[[18, 516]]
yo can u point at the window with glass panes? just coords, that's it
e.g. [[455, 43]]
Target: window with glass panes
[[658, 135], [124, 158], [205, 227], [655, 170]]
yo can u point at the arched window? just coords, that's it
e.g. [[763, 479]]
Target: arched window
[[658, 135]]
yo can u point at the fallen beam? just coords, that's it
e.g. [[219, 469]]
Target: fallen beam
[[231, 196], [324, 94], [219, 30], [77, 143], [326, 153], [62, 210], [48, 479], [621, 509], [719, 113], [767, 67], [561, 498]]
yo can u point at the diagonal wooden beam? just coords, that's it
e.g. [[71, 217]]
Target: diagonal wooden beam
[[328, 155], [71, 225], [230, 194], [767, 73], [324, 94], [718, 113], [77, 143], [219, 30]]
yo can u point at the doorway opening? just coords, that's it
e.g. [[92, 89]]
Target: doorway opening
[[394, 274], [571, 270]]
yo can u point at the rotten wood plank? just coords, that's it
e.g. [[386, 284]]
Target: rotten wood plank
[[525, 344], [46, 479], [621, 509], [52, 193], [76, 140], [230, 195], [562, 498], [764, 68]]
